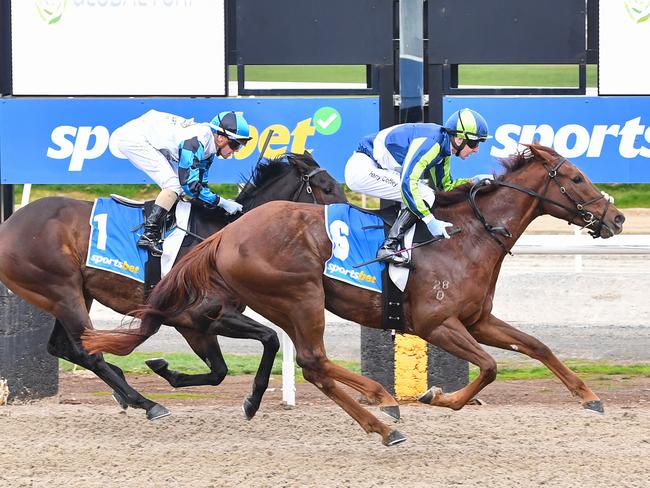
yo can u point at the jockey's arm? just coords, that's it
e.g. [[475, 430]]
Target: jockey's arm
[[193, 172], [423, 154], [441, 176]]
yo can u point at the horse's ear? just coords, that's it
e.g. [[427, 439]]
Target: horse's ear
[[539, 151], [301, 162]]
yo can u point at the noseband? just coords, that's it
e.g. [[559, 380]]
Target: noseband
[[578, 210]]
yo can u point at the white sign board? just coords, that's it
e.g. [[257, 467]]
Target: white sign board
[[118, 47], [624, 41]]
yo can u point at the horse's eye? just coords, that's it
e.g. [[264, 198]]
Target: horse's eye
[[328, 189], [577, 179]]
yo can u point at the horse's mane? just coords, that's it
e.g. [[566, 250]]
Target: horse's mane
[[270, 169], [511, 164]]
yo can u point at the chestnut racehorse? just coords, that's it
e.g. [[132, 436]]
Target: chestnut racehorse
[[273, 258], [43, 249]]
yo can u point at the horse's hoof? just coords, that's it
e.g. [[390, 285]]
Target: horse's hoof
[[156, 364], [430, 395], [394, 438], [595, 406], [120, 401], [391, 411], [157, 412], [249, 409]]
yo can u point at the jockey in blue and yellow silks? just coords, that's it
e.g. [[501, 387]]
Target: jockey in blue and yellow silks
[[393, 163]]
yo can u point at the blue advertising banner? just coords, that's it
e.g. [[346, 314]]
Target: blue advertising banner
[[606, 137], [69, 140]]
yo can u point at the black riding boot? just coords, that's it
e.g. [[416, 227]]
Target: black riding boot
[[393, 241], [151, 237]]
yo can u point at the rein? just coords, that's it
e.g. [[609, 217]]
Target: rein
[[579, 209]]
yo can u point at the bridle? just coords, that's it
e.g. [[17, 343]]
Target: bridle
[[577, 210], [305, 185]]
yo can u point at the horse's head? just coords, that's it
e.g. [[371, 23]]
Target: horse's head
[[566, 193], [293, 177]]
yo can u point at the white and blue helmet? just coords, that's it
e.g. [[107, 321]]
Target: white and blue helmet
[[232, 125]]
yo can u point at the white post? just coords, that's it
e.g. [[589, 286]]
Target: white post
[[577, 260], [27, 190], [363, 200], [288, 372]]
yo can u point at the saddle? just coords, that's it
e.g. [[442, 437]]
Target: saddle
[[388, 216], [170, 219], [152, 267]]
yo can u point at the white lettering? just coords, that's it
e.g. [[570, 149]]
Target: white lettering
[[598, 138], [82, 151], [508, 144], [65, 145], [340, 245], [544, 131], [586, 143], [561, 141], [630, 130]]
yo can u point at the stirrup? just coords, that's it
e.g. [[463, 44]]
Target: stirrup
[[154, 246], [387, 254]]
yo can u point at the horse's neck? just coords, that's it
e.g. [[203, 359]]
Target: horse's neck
[[276, 189], [510, 208]]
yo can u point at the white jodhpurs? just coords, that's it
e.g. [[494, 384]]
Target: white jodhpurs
[[363, 175], [131, 141]]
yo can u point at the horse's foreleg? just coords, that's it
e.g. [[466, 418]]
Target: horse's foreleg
[[452, 336], [207, 348], [314, 367], [318, 369], [497, 333]]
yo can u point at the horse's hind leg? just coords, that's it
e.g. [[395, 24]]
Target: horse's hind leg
[[60, 346], [239, 326], [497, 333], [110, 374], [452, 336]]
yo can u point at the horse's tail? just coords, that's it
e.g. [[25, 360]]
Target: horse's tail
[[182, 288]]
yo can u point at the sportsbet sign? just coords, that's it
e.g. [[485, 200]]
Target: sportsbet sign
[[608, 137], [70, 140]]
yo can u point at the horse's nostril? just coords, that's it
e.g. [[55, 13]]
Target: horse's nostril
[[619, 219]]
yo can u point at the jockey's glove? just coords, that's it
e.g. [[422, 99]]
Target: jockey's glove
[[437, 227], [480, 177], [230, 206]]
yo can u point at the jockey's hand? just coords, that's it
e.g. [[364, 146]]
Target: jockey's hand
[[437, 227], [480, 177], [230, 206]]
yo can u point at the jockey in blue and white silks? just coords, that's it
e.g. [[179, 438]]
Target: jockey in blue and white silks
[[393, 163], [177, 153]]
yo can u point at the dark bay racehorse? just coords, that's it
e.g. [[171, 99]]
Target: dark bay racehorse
[[43, 249], [272, 259]]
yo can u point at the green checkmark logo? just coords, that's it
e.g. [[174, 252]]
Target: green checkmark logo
[[327, 120]]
